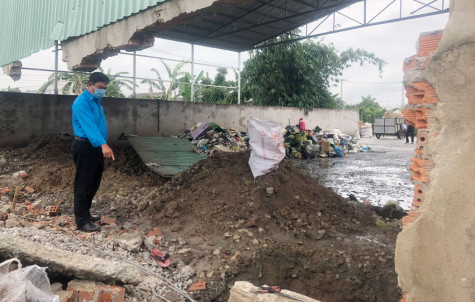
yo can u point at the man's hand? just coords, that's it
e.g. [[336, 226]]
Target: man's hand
[[107, 151]]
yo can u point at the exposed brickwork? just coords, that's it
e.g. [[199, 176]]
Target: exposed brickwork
[[421, 169], [421, 93], [422, 146], [422, 101], [428, 43], [95, 292]]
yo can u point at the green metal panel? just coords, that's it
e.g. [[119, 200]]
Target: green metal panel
[[27, 26], [166, 156]]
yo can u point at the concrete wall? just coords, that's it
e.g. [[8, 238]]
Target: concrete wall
[[23, 117], [186, 114], [435, 255]]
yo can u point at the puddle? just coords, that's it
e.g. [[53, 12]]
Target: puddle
[[379, 176]]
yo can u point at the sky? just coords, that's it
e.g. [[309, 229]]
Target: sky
[[391, 42]]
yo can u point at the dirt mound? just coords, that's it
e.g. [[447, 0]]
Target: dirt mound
[[220, 191], [281, 229]]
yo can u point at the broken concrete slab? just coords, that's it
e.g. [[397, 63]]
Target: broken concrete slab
[[131, 242], [246, 292], [86, 52], [68, 263]]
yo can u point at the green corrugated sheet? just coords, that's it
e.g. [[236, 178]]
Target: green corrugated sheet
[[166, 156], [27, 26]]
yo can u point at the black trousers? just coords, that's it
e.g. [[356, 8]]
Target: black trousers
[[89, 162], [410, 131]]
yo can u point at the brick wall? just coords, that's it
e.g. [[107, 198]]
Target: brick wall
[[419, 112]]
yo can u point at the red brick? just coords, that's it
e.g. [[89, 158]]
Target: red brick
[[418, 195], [409, 63], [422, 143], [421, 93], [421, 169], [410, 116], [91, 291], [199, 285], [53, 211], [428, 43], [155, 232], [410, 218]]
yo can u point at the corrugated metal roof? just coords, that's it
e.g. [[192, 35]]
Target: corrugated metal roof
[[27, 26], [166, 156]]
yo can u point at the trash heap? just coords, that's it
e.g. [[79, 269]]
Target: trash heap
[[209, 136], [319, 143]]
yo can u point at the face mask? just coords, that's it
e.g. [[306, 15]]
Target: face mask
[[99, 93]]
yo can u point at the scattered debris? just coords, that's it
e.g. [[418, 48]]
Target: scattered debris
[[199, 285], [205, 137], [199, 212]]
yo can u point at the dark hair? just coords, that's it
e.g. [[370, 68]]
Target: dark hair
[[98, 77]]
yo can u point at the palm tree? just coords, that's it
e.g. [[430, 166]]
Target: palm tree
[[185, 86], [114, 89], [173, 78], [157, 84], [75, 81]]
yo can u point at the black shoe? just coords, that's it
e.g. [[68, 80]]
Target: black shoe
[[89, 227], [95, 219]]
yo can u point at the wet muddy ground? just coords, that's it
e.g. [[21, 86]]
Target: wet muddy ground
[[378, 176]]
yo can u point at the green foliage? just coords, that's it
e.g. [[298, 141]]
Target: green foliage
[[77, 81], [12, 89], [114, 89], [185, 86], [218, 95], [157, 84], [298, 74], [369, 109]]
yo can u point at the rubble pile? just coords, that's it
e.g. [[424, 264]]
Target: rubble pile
[[216, 222], [319, 143]]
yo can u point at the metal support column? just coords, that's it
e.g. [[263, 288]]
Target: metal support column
[[239, 78], [192, 72], [134, 92], [56, 67]]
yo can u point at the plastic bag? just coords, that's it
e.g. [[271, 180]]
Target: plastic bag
[[267, 146], [25, 284]]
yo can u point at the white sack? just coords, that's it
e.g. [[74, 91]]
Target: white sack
[[25, 284], [267, 146]]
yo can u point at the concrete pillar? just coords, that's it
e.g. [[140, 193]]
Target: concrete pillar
[[435, 252]]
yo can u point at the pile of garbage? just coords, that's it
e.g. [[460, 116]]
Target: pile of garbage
[[300, 144], [209, 136], [309, 144]]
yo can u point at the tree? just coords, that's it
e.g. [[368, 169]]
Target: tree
[[369, 109], [185, 85], [298, 74], [158, 84], [173, 76], [219, 95], [114, 89], [75, 81]]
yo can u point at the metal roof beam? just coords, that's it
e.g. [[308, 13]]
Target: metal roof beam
[[287, 18]]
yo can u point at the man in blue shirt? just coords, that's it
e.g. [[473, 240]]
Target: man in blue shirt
[[89, 149]]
